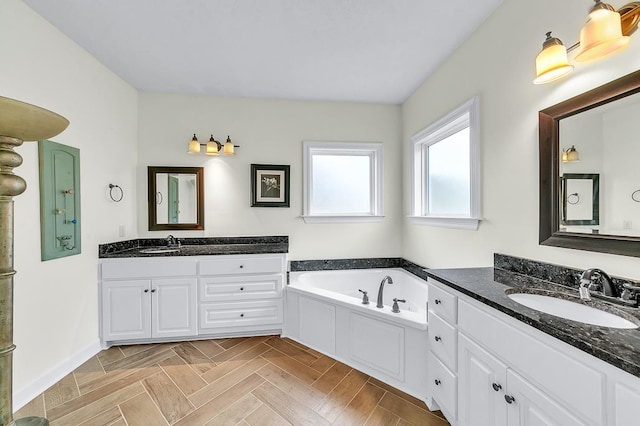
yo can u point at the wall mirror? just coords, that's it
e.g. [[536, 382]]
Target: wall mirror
[[175, 198], [601, 125]]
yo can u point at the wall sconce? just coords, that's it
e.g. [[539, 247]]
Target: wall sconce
[[571, 155], [212, 147], [607, 31]]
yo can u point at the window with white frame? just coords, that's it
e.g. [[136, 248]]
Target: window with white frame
[[342, 181], [446, 170]]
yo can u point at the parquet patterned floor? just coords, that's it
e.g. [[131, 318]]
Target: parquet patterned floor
[[256, 381]]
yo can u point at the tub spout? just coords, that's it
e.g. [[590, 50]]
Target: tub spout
[[381, 290]]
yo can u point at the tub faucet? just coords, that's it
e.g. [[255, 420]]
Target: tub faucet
[[381, 289], [589, 282]]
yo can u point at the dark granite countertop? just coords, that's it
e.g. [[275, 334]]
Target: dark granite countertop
[[195, 247], [619, 347]]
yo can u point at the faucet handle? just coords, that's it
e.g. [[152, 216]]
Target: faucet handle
[[396, 309], [365, 298], [630, 292]]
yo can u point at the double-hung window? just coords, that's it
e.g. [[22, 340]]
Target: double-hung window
[[446, 170], [342, 181]]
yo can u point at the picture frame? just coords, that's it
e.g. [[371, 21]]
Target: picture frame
[[270, 185]]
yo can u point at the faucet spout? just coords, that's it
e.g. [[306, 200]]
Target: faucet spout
[[589, 281], [381, 290]]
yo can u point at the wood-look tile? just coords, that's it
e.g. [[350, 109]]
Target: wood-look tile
[[133, 377], [361, 406], [64, 390], [166, 395], [288, 407], [299, 345], [303, 372], [410, 412], [129, 350], [90, 370], [322, 364], [141, 411], [292, 351], [120, 422], [398, 392], [218, 404], [192, 356], [236, 412], [382, 417], [83, 412], [239, 348], [226, 382], [226, 367], [34, 408], [291, 385], [265, 416], [330, 379], [341, 395], [208, 347], [227, 344], [182, 374], [107, 417], [110, 355], [137, 358]]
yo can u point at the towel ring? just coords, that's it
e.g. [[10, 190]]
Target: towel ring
[[576, 198], [111, 188], [635, 195], [159, 198]]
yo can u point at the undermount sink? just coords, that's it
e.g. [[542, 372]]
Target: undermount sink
[[573, 311], [159, 250]]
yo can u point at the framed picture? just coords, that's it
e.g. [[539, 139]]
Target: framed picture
[[269, 185]]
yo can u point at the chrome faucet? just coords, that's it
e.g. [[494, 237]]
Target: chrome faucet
[[381, 289], [589, 282], [173, 241]]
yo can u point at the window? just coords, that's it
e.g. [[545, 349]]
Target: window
[[342, 182], [446, 170]]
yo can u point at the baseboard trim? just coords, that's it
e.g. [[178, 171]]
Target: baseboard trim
[[25, 394]]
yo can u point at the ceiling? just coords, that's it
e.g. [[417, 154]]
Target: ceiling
[[339, 50]]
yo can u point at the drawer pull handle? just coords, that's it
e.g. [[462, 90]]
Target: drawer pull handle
[[438, 301], [241, 315], [438, 338], [496, 387], [146, 290], [509, 399], [437, 382]]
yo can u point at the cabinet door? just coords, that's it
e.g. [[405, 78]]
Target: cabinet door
[[174, 307], [527, 405], [482, 381], [626, 400], [126, 310]]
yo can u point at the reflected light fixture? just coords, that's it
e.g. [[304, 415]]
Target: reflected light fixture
[[571, 155], [212, 146], [607, 31]]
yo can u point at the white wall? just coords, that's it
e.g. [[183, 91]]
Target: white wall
[[497, 63], [56, 310], [270, 132]]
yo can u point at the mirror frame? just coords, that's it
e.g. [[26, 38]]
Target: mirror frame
[[594, 201], [151, 198], [549, 149]]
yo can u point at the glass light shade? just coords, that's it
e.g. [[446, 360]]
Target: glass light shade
[[552, 62], [194, 145], [229, 149], [601, 35], [212, 146], [564, 156], [572, 155]]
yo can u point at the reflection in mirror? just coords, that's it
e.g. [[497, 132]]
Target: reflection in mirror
[[175, 198], [601, 125], [580, 202]]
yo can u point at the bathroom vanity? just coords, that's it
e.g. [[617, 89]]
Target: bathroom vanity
[[205, 289]]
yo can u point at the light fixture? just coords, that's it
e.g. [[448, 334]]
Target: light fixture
[[19, 122], [570, 155], [212, 146], [607, 31]]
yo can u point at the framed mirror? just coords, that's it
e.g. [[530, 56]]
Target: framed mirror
[[580, 202], [600, 125], [175, 198]]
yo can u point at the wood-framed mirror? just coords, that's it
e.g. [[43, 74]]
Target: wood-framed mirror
[[604, 111], [175, 198]]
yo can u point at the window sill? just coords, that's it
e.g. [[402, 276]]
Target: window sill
[[447, 222], [342, 219]]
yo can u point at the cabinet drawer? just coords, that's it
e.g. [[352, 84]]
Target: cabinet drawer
[[142, 268], [216, 289], [443, 340], [238, 314], [443, 303], [232, 265], [443, 385]]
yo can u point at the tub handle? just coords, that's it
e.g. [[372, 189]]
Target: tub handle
[[365, 298], [396, 309]]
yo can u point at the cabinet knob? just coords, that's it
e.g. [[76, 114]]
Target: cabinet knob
[[146, 290], [438, 338], [241, 288], [509, 399], [153, 291], [438, 301], [496, 387], [241, 315], [437, 382], [241, 266]]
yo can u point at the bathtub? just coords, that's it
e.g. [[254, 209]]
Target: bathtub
[[324, 311]]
